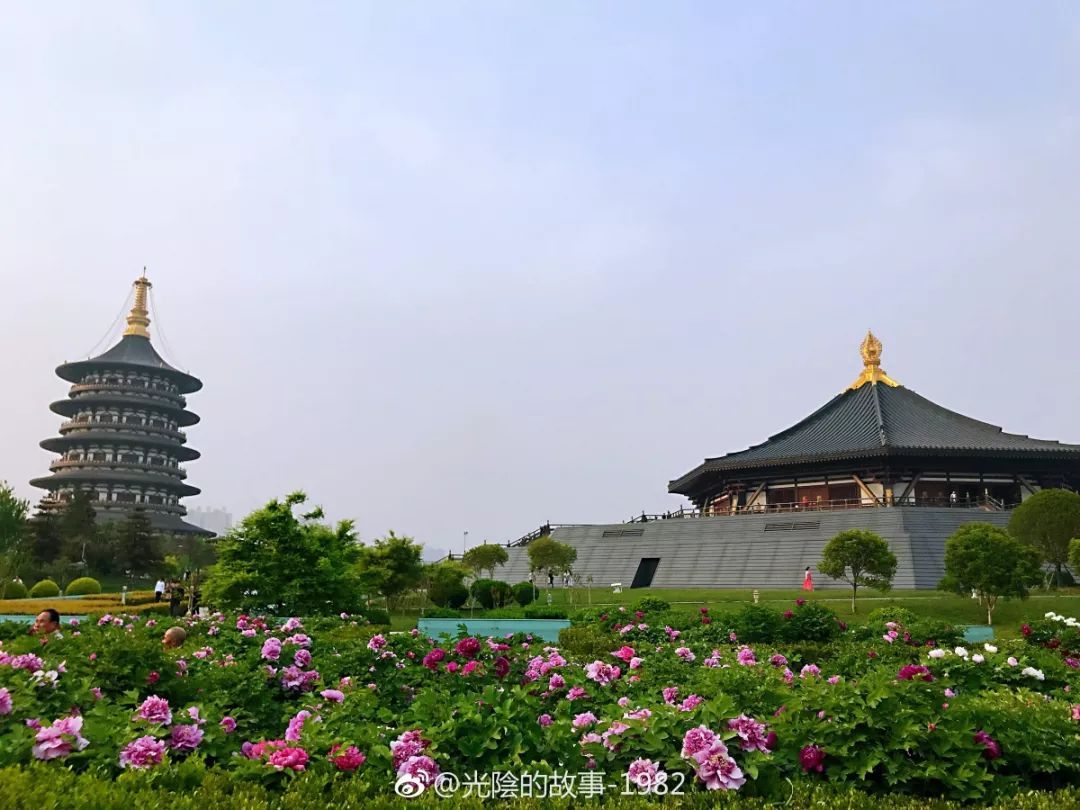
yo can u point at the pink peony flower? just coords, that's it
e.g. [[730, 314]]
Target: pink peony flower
[[302, 658], [544, 720], [333, 694], [646, 775], [602, 673], [809, 671], [556, 682], [155, 710], [751, 733], [717, 770], [185, 738], [407, 745], [228, 725], [746, 657], [145, 752], [293, 759], [635, 662], [348, 760], [624, 654], [778, 660], [1076, 712], [670, 693], [296, 725], [812, 758], [376, 642], [422, 768], [576, 693], [96, 692], [59, 739], [685, 654], [5, 701], [470, 667], [697, 740], [271, 649], [690, 703], [584, 719]]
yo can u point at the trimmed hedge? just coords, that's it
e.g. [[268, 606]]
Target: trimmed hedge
[[15, 590], [44, 589], [83, 586], [525, 593]]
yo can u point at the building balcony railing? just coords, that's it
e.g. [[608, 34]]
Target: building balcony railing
[[128, 388], [120, 424], [984, 503], [172, 470]]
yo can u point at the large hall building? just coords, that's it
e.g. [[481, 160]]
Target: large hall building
[[877, 456], [123, 441]]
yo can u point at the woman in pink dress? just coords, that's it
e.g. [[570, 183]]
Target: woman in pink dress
[[808, 580]]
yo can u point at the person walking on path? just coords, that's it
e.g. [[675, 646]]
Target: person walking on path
[[808, 580], [159, 589]]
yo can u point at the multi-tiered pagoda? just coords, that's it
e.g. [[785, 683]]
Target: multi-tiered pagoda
[[123, 441]]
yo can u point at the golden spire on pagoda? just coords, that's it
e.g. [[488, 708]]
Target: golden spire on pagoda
[[138, 320], [872, 373]]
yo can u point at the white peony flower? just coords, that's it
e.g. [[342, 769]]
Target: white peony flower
[[977, 658], [990, 648], [1031, 672], [961, 651], [937, 652]]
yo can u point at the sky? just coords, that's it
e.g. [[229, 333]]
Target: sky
[[460, 267]]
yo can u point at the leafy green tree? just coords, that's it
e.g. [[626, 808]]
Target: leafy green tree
[[78, 527], [989, 561], [551, 557], [485, 558], [1074, 554], [859, 558], [1048, 521], [277, 561], [391, 567], [13, 512], [137, 549], [43, 538]]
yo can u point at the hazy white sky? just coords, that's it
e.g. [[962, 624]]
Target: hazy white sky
[[474, 266]]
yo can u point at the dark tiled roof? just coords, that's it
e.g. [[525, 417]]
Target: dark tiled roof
[[879, 420], [132, 350]]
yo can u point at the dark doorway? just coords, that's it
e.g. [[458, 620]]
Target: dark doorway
[[646, 570]]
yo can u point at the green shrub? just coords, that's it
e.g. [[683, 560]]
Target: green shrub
[[44, 589], [14, 590], [650, 604], [442, 613], [756, 624], [448, 594], [811, 622], [525, 593], [377, 616], [491, 593], [83, 586], [544, 612], [586, 642]]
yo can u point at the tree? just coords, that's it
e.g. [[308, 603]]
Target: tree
[[13, 513], [485, 558], [989, 561], [78, 527], [276, 561], [137, 548], [1048, 521], [859, 557], [1074, 554], [42, 535], [551, 557], [391, 567]]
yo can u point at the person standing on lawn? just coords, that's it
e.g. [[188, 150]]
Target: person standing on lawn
[[159, 589], [808, 580]]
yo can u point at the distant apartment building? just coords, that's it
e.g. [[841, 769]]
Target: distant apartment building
[[215, 520]]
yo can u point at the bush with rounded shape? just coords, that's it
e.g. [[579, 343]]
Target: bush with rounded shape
[[15, 590], [44, 589], [811, 622], [525, 593], [491, 593], [83, 586], [448, 594], [650, 604], [756, 624]]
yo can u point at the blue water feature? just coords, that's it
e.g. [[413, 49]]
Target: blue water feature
[[978, 632], [547, 629], [29, 619]]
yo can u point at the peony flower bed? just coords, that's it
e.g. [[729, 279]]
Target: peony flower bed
[[660, 711]]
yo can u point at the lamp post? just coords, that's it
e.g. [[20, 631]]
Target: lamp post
[[465, 544]]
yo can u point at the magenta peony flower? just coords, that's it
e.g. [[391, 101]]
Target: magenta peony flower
[[914, 672], [502, 666], [690, 703], [751, 733], [746, 657], [646, 775], [468, 647], [470, 667], [407, 745], [800, 601], [810, 671], [291, 625], [602, 673], [348, 760], [697, 740], [155, 710], [376, 642], [788, 614], [333, 694], [778, 660], [302, 658], [432, 659], [812, 758], [453, 667], [544, 720], [293, 759], [296, 725], [556, 682], [228, 725], [624, 654], [670, 693], [5, 701], [59, 739], [419, 767], [185, 738], [271, 649], [991, 747], [717, 770], [145, 752]]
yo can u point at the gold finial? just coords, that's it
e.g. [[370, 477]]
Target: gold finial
[[870, 349], [138, 321]]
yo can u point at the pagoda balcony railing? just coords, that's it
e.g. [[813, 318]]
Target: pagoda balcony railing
[[157, 393], [173, 471], [83, 423]]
